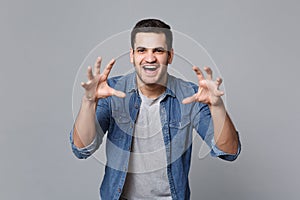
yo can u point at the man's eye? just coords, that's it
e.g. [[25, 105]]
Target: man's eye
[[159, 51], [140, 50]]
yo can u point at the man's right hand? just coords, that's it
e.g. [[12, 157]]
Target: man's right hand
[[96, 87]]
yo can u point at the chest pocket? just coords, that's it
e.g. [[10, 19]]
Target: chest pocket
[[180, 124], [121, 126], [181, 136]]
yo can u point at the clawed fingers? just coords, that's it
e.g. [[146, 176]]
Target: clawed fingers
[[198, 73], [209, 72], [190, 99], [97, 65], [219, 93], [118, 93], [90, 75], [108, 69], [84, 85], [219, 81]]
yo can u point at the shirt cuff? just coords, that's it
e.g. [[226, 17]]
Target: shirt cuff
[[84, 152], [216, 152]]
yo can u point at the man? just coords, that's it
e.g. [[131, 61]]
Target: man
[[149, 116]]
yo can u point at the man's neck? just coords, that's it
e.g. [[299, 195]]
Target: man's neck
[[152, 90]]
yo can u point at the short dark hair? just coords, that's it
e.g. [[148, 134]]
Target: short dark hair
[[152, 26]]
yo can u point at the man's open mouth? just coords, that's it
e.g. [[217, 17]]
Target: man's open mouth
[[150, 68]]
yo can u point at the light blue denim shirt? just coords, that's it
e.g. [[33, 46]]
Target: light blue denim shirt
[[117, 117]]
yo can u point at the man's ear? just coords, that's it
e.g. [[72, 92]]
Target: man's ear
[[170, 56], [131, 55]]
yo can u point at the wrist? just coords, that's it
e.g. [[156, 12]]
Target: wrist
[[218, 108], [217, 104], [88, 101], [89, 97]]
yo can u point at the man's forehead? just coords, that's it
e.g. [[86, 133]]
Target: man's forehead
[[150, 40]]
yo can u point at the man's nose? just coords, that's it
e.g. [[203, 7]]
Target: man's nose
[[150, 57]]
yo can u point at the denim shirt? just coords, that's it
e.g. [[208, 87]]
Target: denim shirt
[[117, 117]]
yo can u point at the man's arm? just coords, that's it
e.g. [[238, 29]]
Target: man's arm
[[84, 130], [96, 87], [225, 134]]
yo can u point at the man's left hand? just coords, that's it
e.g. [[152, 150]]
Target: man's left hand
[[208, 91]]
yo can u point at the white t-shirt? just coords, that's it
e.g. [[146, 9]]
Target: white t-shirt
[[147, 173]]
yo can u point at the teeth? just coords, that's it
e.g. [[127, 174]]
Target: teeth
[[150, 67]]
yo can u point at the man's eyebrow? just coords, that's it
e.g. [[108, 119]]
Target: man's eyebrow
[[160, 48], [140, 47]]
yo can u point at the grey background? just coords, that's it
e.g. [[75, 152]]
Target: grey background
[[254, 43]]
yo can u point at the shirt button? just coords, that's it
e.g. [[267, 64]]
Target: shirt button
[[119, 190], [136, 106]]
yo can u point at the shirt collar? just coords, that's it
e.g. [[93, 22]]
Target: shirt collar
[[170, 90]]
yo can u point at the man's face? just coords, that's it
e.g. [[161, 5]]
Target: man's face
[[151, 58]]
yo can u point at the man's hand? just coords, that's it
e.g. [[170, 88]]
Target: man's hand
[[208, 91], [96, 87]]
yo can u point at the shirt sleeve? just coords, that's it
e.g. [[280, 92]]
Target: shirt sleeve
[[101, 123], [204, 126], [87, 151], [216, 152]]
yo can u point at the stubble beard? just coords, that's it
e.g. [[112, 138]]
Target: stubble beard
[[161, 79]]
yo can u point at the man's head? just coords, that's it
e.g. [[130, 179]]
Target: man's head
[[152, 26], [151, 51]]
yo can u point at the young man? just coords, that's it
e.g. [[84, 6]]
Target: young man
[[149, 116]]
